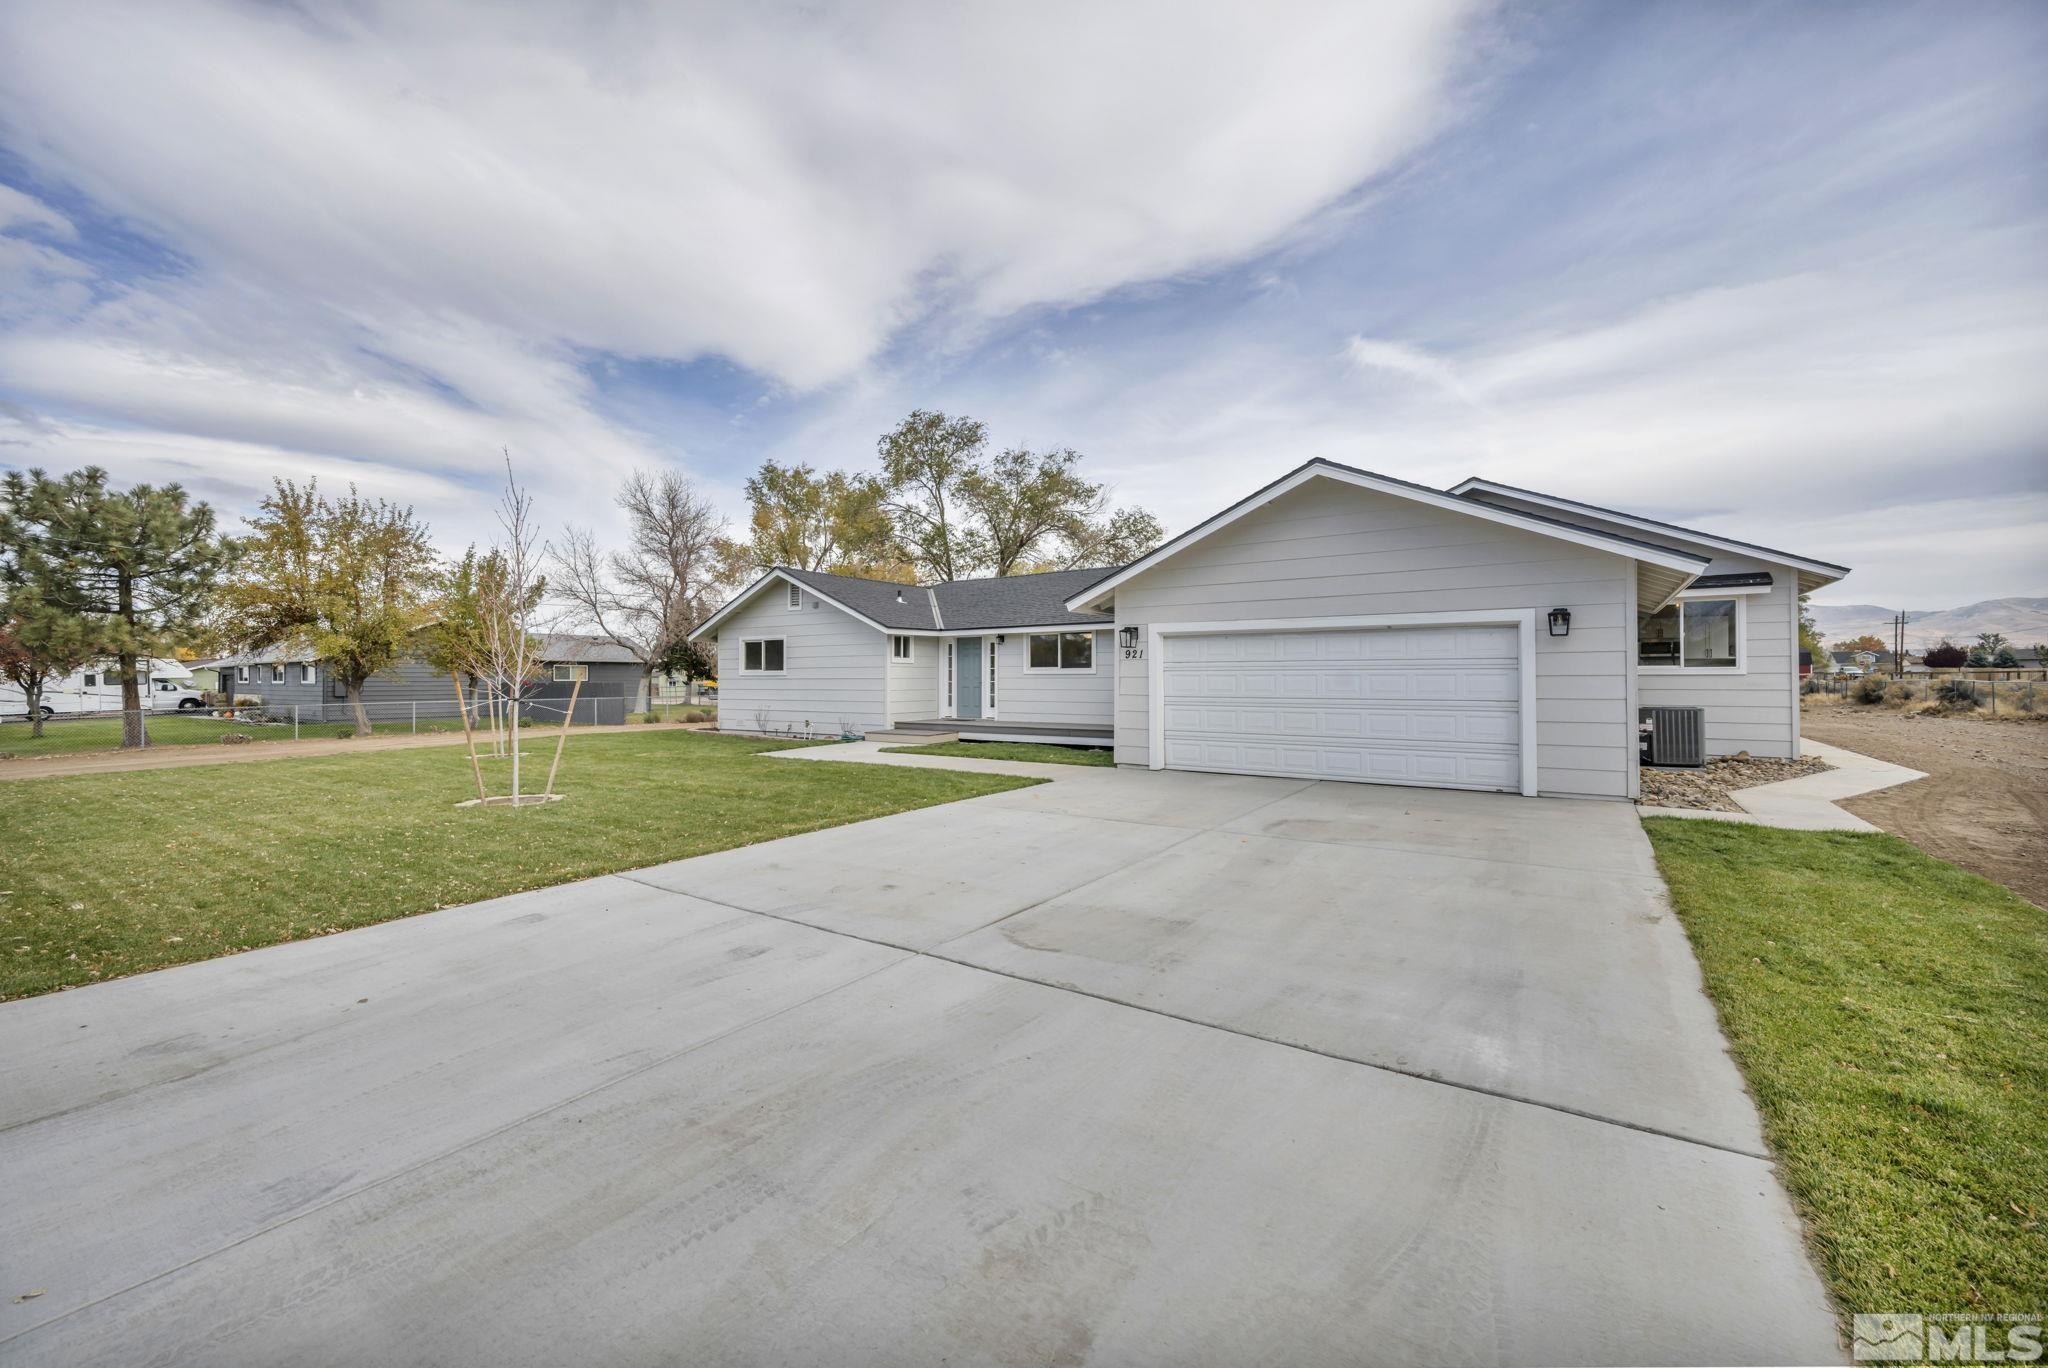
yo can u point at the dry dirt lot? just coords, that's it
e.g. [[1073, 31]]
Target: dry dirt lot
[[1984, 804]]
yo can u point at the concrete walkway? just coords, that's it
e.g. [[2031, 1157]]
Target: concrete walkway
[[185, 757], [1808, 803], [1132, 1067]]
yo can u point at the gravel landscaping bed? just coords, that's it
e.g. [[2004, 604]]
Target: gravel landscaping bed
[[1709, 788]]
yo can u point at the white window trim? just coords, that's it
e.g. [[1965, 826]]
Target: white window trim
[[764, 640], [795, 600], [1094, 652], [909, 644], [309, 672], [241, 674], [1523, 620], [277, 674], [1741, 665], [573, 676]]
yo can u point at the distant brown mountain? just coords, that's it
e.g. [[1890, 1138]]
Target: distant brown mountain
[[2023, 620]]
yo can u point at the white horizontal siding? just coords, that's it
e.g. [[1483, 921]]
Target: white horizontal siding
[[833, 669], [1757, 710], [1326, 550], [1074, 697], [914, 683]]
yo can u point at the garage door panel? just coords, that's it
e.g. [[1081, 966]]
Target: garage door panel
[[1437, 706]]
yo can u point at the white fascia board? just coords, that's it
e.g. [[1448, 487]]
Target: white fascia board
[[710, 625], [1826, 572], [1086, 600]]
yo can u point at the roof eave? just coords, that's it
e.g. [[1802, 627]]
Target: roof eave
[[1813, 574]]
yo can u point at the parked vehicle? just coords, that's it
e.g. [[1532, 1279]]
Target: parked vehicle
[[96, 688]]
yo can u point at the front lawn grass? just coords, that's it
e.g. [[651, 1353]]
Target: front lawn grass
[[111, 874], [77, 736], [1035, 751], [1890, 1012]]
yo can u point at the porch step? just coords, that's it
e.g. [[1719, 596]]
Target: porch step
[[912, 738]]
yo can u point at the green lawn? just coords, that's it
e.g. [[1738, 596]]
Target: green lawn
[[111, 874], [1013, 750], [81, 736], [1890, 1012], [64, 736]]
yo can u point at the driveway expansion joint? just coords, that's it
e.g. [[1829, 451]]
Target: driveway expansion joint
[[933, 953]]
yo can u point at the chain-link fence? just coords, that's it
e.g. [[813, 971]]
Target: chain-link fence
[[252, 723]]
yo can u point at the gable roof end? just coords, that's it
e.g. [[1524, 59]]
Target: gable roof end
[[1683, 564]]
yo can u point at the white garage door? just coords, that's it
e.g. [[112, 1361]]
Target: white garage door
[[1412, 705]]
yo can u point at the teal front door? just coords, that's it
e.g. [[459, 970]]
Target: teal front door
[[967, 677]]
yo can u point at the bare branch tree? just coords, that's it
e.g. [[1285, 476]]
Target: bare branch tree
[[650, 596], [507, 599]]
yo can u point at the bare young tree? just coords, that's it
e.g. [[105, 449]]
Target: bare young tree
[[507, 600], [650, 596]]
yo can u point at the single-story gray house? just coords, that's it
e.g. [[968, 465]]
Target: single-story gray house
[[284, 677], [1336, 624]]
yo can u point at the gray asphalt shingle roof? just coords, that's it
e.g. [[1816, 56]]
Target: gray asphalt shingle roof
[[968, 605]]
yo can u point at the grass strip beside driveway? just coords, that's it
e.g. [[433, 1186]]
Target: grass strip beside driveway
[[1037, 752], [1890, 1012], [107, 875]]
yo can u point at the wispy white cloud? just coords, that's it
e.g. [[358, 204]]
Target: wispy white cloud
[[409, 226]]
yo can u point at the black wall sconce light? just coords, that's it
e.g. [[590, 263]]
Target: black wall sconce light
[[1560, 622], [1000, 638], [1128, 637]]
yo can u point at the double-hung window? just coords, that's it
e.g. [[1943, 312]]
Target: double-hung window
[[308, 672], [277, 674], [1060, 651], [1692, 634], [762, 657]]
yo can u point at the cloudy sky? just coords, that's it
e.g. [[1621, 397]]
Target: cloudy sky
[[1775, 270]]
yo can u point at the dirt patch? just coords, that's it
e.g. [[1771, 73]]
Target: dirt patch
[[1709, 787], [1984, 803]]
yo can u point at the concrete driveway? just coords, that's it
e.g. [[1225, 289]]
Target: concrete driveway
[[1126, 1068]]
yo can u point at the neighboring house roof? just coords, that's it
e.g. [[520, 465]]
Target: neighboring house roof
[[571, 647], [968, 605], [1822, 572], [269, 655], [554, 646], [1681, 567]]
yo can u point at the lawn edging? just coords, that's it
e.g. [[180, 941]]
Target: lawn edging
[[1889, 1013]]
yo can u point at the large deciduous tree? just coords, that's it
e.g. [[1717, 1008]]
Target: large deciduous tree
[[650, 596], [925, 459], [133, 569], [348, 579], [835, 522], [959, 512]]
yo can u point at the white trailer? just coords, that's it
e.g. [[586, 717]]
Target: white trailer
[[96, 688]]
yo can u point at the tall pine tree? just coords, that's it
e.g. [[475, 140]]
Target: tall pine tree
[[135, 569]]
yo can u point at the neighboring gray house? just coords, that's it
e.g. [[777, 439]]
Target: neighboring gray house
[[284, 677], [1336, 624], [994, 659]]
